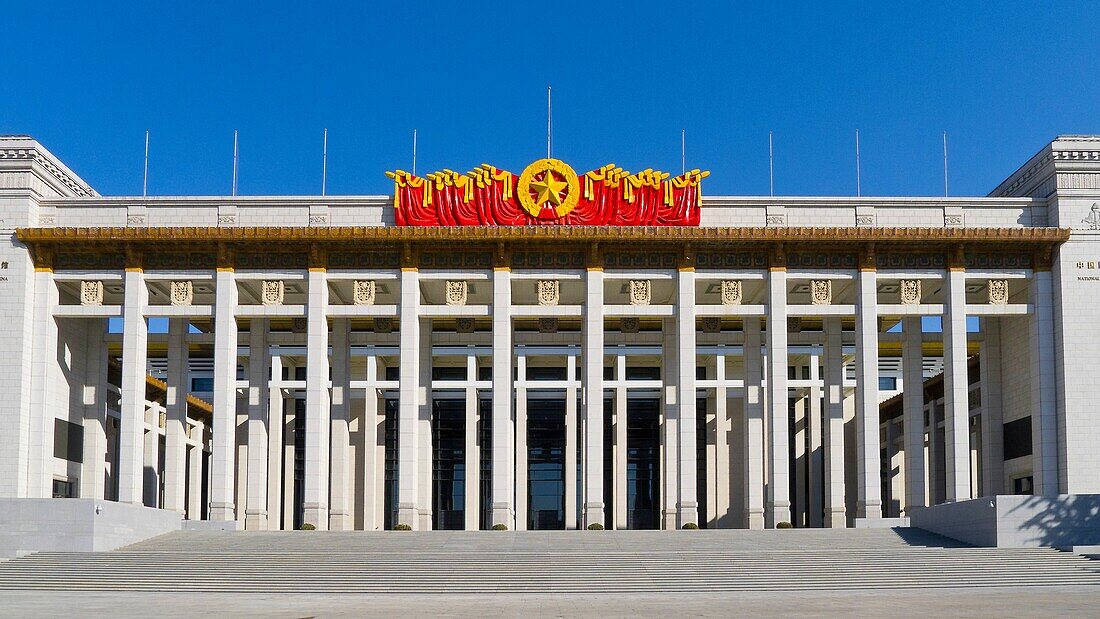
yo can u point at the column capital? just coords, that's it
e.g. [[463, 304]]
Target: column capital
[[409, 258], [777, 257], [134, 259], [1043, 259], [687, 258], [594, 258], [502, 258], [43, 258], [956, 258], [868, 258], [227, 257], [318, 257]]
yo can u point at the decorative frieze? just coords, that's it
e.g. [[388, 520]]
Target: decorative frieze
[[712, 324], [464, 324], [641, 292], [91, 292], [998, 292], [548, 291], [457, 292], [548, 324], [628, 324], [821, 291], [910, 291], [364, 292], [299, 324], [732, 292], [181, 293], [383, 324], [794, 324], [272, 291]]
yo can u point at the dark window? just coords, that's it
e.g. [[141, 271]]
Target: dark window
[[68, 441], [485, 373], [448, 464], [389, 507], [393, 373], [1023, 485], [609, 372], [700, 373], [643, 464], [643, 373], [545, 464], [888, 383], [546, 373], [63, 489], [485, 480], [299, 373], [449, 372], [205, 383], [1017, 438]]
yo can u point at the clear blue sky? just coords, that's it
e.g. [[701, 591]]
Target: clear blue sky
[[1001, 78]]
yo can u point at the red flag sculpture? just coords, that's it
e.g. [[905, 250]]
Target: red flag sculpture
[[548, 192]]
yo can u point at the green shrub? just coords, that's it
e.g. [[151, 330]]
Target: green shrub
[[307, 527], [595, 526], [784, 525], [402, 527], [500, 527], [691, 525]]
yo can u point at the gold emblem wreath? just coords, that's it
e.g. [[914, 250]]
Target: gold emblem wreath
[[540, 179]]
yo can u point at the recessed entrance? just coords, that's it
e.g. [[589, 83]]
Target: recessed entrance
[[546, 464]]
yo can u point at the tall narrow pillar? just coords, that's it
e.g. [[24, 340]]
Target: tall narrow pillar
[[471, 453], [1044, 411], [521, 446], [993, 476], [410, 396], [424, 439], [371, 468], [135, 333], [956, 389], [275, 440], [93, 469], [318, 416], [833, 425], [868, 488], [753, 432], [779, 482], [44, 373], [593, 396], [912, 367], [571, 443], [504, 481], [194, 476], [151, 470], [688, 506], [670, 432], [339, 518], [224, 430], [619, 446], [259, 366], [720, 470], [815, 504]]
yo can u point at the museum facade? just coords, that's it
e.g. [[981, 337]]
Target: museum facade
[[549, 350]]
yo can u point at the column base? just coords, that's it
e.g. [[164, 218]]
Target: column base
[[754, 518], [780, 512], [668, 518], [836, 519], [868, 509], [407, 514], [593, 514], [222, 511], [425, 520], [317, 515], [504, 514], [689, 512], [339, 522], [255, 521]]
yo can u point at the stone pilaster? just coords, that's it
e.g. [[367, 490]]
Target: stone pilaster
[[275, 444], [340, 512], [832, 438], [593, 397], [259, 365], [779, 482], [688, 506], [1044, 405], [408, 404], [955, 389], [868, 488], [223, 453], [912, 364], [92, 470], [753, 431], [135, 333], [318, 416], [175, 428]]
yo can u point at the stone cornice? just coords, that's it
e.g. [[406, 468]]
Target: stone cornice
[[25, 149]]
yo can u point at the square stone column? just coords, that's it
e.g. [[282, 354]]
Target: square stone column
[[779, 484], [275, 444], [912, 367], [868, 488], [593, 397], [956, 394], [259, 366], [670, 426], [424, 443], [45, 373], [175, 427], [93, 469], [504, 480], [318, 416], [372, 480], [520, 457], [409, 402], [753, 431], [135, 333], [1044, 405], [720, 469], [194, 477], [471, 452], [688, 506], [833, 425], [151, 470], [223, 454], [618, 453], [339, 517], [815, 506], [993, 474], [571, 444]]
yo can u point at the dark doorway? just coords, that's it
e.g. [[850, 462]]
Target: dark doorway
[[389, 490], [448, 465], [545, 464], [643, 463]]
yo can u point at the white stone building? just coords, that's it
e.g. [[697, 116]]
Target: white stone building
[[364, 375]]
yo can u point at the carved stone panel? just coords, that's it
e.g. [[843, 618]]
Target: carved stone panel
[[272, 291], [548, 324], [794, 324], [91, 292], [998, 292], [910, 291], [464, 324], [364, 292], [299, 324], [628, 324], [821, 291], [641, 292], [712, 324], [383, 324], [457, 292], [732, 292], [549, 291], [182, 292]]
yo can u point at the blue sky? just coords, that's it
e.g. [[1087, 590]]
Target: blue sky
[[1001, 78]]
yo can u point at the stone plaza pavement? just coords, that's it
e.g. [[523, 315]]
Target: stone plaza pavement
[[1077, 601]]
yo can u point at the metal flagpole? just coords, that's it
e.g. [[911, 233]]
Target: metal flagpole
[[945, 164], [145, 178], [414, 152], [771, 168], [858, 192], [549, 116], [683, 154], [324, 161], [234, 162]]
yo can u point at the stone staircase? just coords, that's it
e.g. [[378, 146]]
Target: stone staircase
[[546, 562]]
